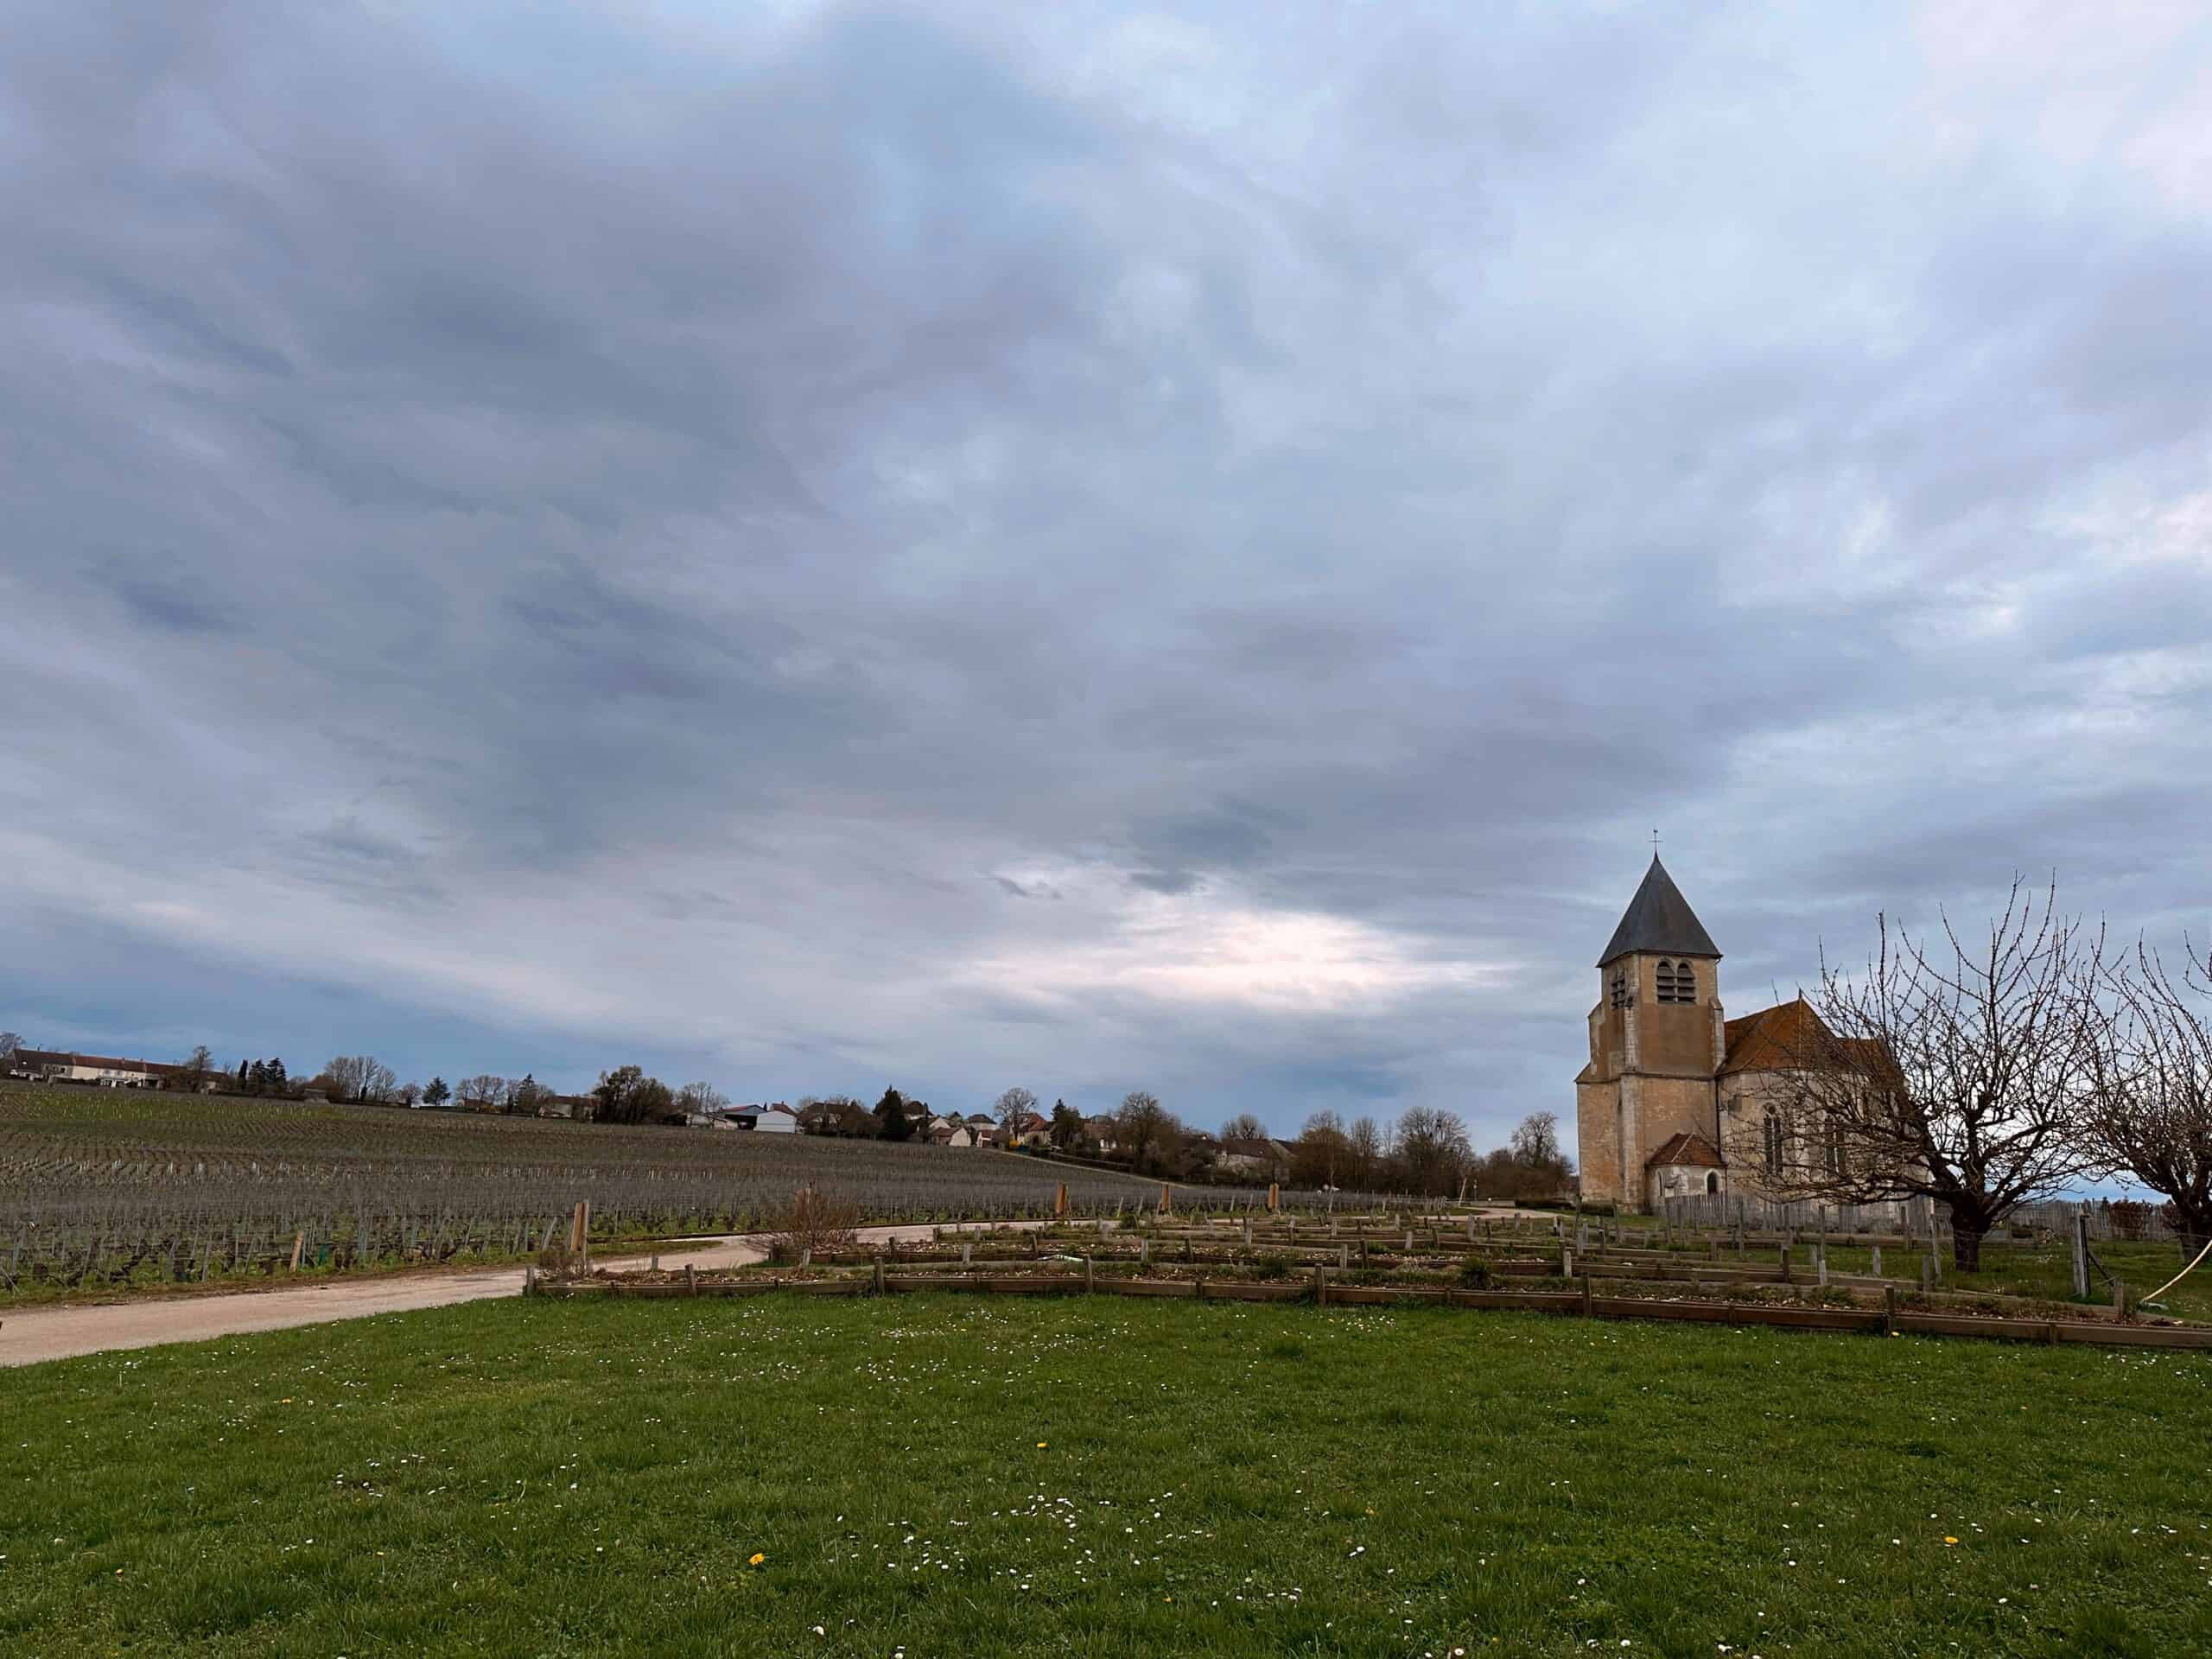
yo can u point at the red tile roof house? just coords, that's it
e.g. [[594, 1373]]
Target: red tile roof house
[[47, 1065]]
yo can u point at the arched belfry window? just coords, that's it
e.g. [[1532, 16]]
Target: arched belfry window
[[1622, 995], [1677, 981]]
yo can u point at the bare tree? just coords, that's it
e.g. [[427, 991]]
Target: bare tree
[[1363, 1151], [1433, 1151], [199, 1066], [627, 1094], [9, 1042], [1534, 1141], [409, 1093], [522, 1097], [1245, 1126], [1321, 1155], [485, 1092], [1947, 1071], [701, 1099], [2151, 1115], [1011, 1109], [360, 1076], [1145, 1132]]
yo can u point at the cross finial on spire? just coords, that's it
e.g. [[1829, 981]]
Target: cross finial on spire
[[1655, 843]]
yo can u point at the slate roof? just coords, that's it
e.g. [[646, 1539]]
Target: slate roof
[[93, 1062], [1660, 920]]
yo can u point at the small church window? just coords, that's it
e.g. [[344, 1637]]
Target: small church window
[[1712, 1184], [1773, 1144]]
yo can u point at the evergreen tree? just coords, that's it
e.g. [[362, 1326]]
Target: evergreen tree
[[1067, 1126], [892, 1122]]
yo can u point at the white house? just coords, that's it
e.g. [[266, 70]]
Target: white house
[[47, 1065]]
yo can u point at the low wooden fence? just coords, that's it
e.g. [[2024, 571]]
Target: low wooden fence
[[1889, 1320]]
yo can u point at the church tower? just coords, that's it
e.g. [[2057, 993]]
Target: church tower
[[1657, 1039]]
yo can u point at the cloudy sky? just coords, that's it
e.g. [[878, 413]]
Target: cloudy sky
[[817, 546]]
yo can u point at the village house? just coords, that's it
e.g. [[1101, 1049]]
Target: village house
[[1677, 1100], [48, 1065], [1266, 1159]]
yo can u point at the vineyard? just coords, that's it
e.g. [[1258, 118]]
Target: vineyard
[[105, 1188]]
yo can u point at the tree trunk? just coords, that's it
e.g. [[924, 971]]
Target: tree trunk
[[1965, 1245]]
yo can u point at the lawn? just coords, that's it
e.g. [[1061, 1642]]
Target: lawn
[[952, 1475]]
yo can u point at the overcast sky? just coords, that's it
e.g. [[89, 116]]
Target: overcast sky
[[823, 546]]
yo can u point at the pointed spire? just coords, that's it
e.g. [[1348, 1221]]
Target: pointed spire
[[1660, 919]]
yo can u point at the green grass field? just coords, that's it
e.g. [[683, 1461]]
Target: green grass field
[[941, 1476]]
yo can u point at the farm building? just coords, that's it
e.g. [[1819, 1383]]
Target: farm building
[[776, 1118], [952, 1132], [47, 1065]]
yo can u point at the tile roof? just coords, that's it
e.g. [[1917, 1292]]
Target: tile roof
[[1660, 919], [1786, 1037], [1693, 1150]]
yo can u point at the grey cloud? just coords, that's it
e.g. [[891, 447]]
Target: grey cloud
[[540, 486]]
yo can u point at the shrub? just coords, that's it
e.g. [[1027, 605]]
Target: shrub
[[1475, 1275], [813, 1221]]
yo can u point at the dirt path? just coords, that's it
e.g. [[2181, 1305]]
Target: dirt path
[[44, 1333]]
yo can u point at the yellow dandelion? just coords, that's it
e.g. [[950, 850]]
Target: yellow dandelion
[[1040, 1445], [1948, 1539], [755, 1558]]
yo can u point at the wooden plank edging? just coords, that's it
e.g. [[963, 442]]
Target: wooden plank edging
[[1864, 1320]]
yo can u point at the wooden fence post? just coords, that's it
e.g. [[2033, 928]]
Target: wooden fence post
[[1889, 1310], [1877, 1260], [298, 1245], [691, 1278], [2080, 1256], [1320, 1285], [878, 1273], [1089, 1284], [1060, 1202], [1165, 1208], [2123, 1302], [1588, 1300]]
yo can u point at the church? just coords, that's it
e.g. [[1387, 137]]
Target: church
[[1677, 1099]]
